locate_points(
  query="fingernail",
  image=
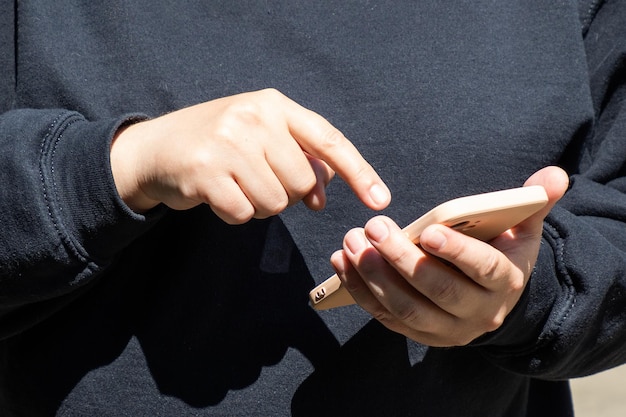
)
(434, 238)
(377, 230)
(338, 262)
(379, 194)
(355, 242)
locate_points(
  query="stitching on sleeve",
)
(51, 127)
(592, 10)
(48, 148)
(568, 289)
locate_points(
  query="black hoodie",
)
(107, 312)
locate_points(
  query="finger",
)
(293, 168)
(322, 140)
(261, 186)
(519, 245)
(394, 246)
(484, 264)
(227, 201)
(441, 284)
(316, 199)
(352, 281)
(386, 294)
(555, 181)
(376, 279)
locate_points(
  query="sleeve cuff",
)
(83, 200)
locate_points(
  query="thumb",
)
(555, 181)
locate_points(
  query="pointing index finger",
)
(322, 140)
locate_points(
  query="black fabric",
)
(106, 312)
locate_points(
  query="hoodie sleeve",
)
(61, 218)
(576, 299)
(62, 221)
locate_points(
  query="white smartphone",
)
(482, 216)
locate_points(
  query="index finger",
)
(319, 138)
(484, 264)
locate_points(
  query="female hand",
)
(411, 291)
(248, 155)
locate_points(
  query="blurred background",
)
(601, 395)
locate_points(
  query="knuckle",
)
(455, 251)
(332, 138)
(189, 192)
(362, 171)
(229, 206)
(409, 314)
(490, 267)
(488, 323)
(269, 203)
(235, 217)
(399, 251)
(303, 185)
(517, 283)
(405, 319)
(447, 292)
(381, 315)
(241, 113)
(399, 257)
(272, 94)
(494, 322)
(199, 164)
(277, 206)
(242, 216)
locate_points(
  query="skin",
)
(247, 156)
(411, 292)
(254, 154)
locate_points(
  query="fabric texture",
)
(107, 312)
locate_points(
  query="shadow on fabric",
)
(206, 318)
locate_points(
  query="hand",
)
(446, 303)
(249, 155)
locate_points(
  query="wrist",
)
(127, 169)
